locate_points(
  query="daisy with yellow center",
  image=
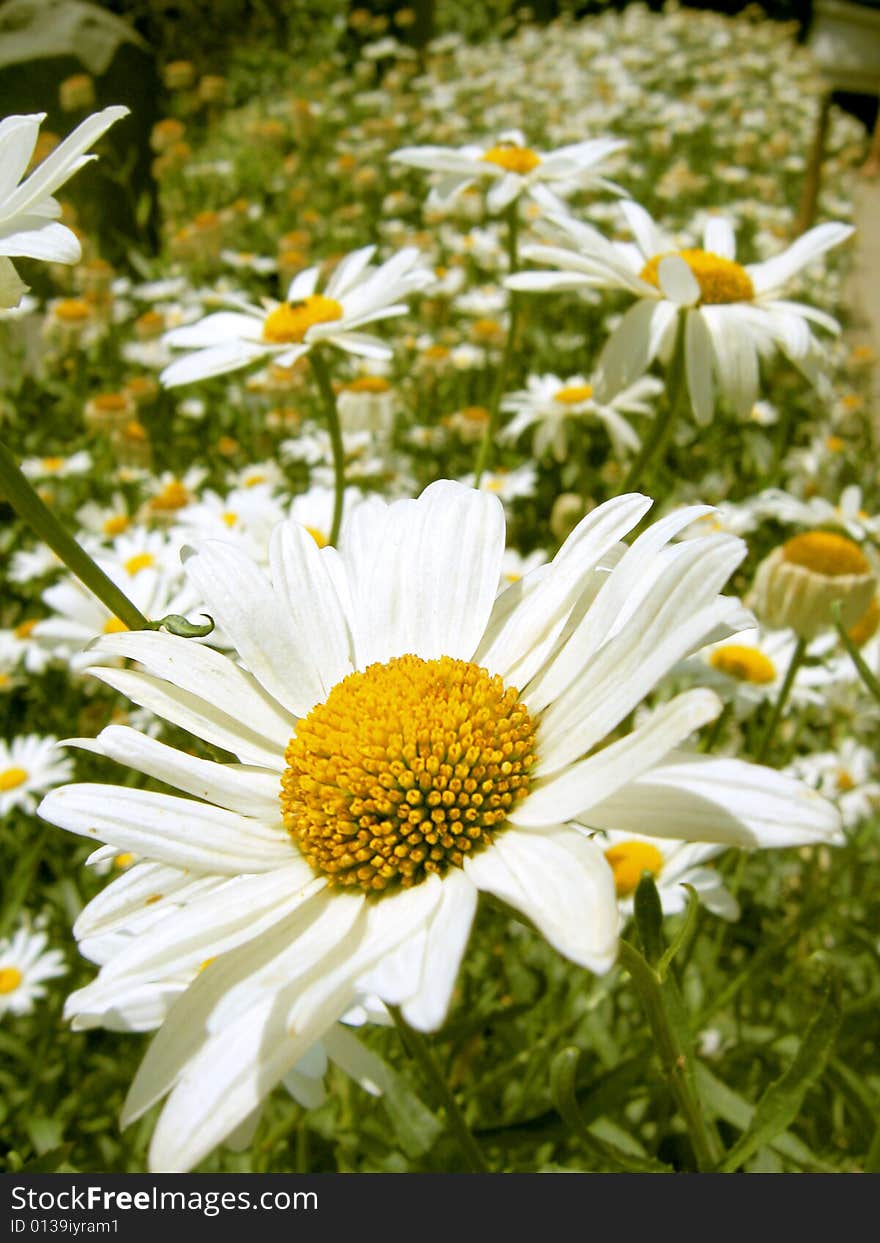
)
(26, 965)
(358, 293)
(405, 738)
(672, 864)
(514, 168)
(731, 312)
(749, 669)
(552, 406)
(29, 766)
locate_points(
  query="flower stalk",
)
(419, 1050)
(331, 411)
(487, 444)
(15, 487)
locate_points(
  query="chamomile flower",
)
(733, 314)
(25, 967)
(29, 215)
(357, 294)
(673, 865)
(405, 739)
(514, 169)
(29, 766)
(551, 405)
(750, 668)
(847, 776)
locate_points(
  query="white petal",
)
(698, 364)
(564, 796)
(424, 573)
(632, 346)
(63, 162)
(718, 237)
(447, 938)
(181, 832)
(218, 329)
(709, 799)
(774, 273)
(559, 880)
(205, 364)
(34, 238)
(677, 281)
(239, 597)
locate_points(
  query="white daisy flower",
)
(357, 294)
(673, 865)
(750, 669)
(846, 776)
(29, 215)
(734, 314)
(29, 766)
(25, 966)
(514, 168)
(549, 404)
(405, 739)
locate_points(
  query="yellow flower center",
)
(52, 463)
(866, 627)
(573, 393)
(173, 496)
(720, 280)
(12, 778)
(368, 384)
(123, 860)
(512, 159)
(25, 629)
(111, 402)
(290, 321)
(115, 525)
(834, 444)
(845, 781)
(405, 769)
(10, 979)
(826, 553)
(230, 518)
(72, 310)
(140, 561)
(629, 860)
(746, 664)
(320, 537)
(114, 626)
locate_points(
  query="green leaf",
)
(684, 934)
(781, 1103)
(649, 918)
(734, 1109)
(414, 1124)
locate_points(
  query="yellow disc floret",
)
(629, 860)
(512, 159)
(825, 552)
(10, 979)
(573, 393)
(720, 279)
(404, 770)
(290, 321)
(746, 664)
(12, 778)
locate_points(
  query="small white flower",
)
(513, 168)
(29, 766)
(356, 294)
(550, 405)
(25, 966)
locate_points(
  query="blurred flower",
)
(29, 766)
(25, 967)
(356, 294)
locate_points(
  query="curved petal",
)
(559, 880)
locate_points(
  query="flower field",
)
(447, 553)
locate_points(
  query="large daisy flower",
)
(358, 293)
(29, 224)
(404, 738)
(513, 168)
(734, 314)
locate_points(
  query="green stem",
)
(419, 1050)
(325, 387)
(707, 744)
(15, 487)
(484, 452)
(662, 424)
(794, 664)
(871, 683)
(664, 1009)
